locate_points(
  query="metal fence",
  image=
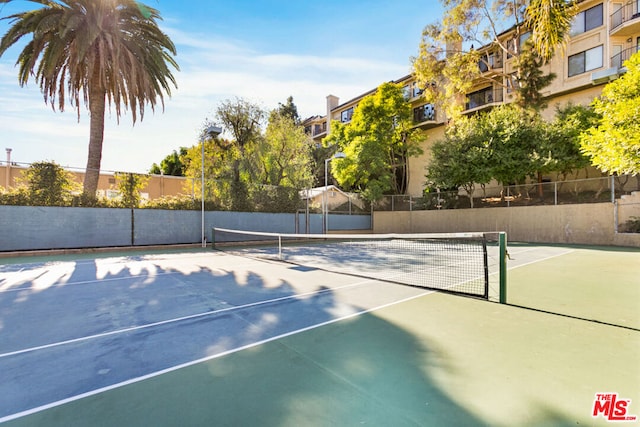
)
(591, 190)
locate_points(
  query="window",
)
(346, 115)
(484, 97)
(424, 113)
(512, 45)
(585, 61)
(490, 61)
(587, 20)
(512, 82)
(406, 92)
(416, 91)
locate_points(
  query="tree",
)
(378, 143)
(562, 140)
(219, 157)
(483, 23)
(289, 110)
(285, 154)
(97, 52)
(531, 81)
(614, 144)
(461, 159)
(129, 185)
(172, 165)
(244, 120)
(48, 184)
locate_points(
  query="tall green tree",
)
(172, 165)
(97, 53)
(48, 184)
(284, 157)
(462, 159)
(469, 23)
(289, 110)
(562, 140)
(219, 157)
(243, 119)
(130, 184)
(614, 144)
(378, 143)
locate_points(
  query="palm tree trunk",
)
(97, 105)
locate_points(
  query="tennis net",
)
(450, 262)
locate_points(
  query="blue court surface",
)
(201, 337)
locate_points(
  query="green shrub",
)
(632, 225)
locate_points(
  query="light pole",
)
(8, 168)
(210, 132)
(325, 207)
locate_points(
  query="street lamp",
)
(325, 207)
(8, 183)
(209, 132)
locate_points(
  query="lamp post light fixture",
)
(210, 132)
(325, 207)
(8, 168)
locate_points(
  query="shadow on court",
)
(69, 328)
(436, 360)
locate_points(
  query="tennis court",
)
(201, 337)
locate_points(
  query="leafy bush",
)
(631, 226)
(15, 197)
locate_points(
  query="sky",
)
(263, 51)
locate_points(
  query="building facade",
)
(604, 34)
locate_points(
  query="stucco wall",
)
(579, 224)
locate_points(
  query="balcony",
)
(484, 97)
(618, 60)
(626, 20)
(316, 130)
(424, 113)
(490, 63)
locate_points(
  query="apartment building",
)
(604, 34)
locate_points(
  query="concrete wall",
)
(24, 228)
(580, 224)
(28, 228)
(157, 186)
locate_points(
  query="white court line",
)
(178, 319)
(540, 260)
(202, 360)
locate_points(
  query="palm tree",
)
(98, 51)
(550, 24)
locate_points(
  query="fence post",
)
(613, 189)
(555, 193)
(502, 240)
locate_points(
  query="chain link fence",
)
(591, 190)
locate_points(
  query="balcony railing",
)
(490, 62)
(626, 13)
(618, 60)
(484, 97)
(318, 129)
(424, 113)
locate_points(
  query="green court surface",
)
(601, 284)
(430, 359)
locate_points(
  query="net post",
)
(280, 247)
(213, 237)
(502, 239)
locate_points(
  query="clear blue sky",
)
(262, 50)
